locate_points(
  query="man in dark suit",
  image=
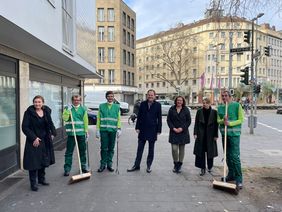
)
(148, 127)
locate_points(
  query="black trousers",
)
(40, 174)
(140, 149)
(200, 161)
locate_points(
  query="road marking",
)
(271, 152)
(268, 126)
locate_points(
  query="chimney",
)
(273, 28)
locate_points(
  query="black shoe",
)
(66, 173)
(43, 183)
(34, 188)
(175, 167)
(203, 172)
(110, 168)
(85, 171)
(179, 165)
(133, 169)
(210, 170)
(101, 169)
(148, 170)
(227, 179)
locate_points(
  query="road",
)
(160, 191)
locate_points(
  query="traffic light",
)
(257, 89)
(247, 36)
(245, 76)
(267, 51)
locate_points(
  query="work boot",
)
(44, 183)
(101, 169)
(148, 170)
(34, 188)
(179, 167)
(175, 167)
(110, 168)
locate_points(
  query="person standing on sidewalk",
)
(39, 129)
(205, 134)
(108, 127)
(148, 127)
(80, 119)
(178, 121)
(233, 121)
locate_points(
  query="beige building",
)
(193, 59)
(115, 49)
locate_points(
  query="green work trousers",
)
(233, 158)
(108, 140)
(69, 152)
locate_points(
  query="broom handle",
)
(76, 143)
(225, 144)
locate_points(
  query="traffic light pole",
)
(252, 81)
(230, 61)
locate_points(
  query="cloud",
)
(158, 15)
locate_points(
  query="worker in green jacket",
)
(233, 121)
(108, 127)
(80, 119)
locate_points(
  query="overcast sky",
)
(157, 15)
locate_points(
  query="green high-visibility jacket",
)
(235, 118)
(80, 120)
(108, 118)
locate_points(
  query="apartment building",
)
(115, 49)
(207, 67)
(46, 48)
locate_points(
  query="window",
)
(111, 33)
(194, 82)
(124, 18)
(101, 55)
(147, 85)
(140, 85)
(194, 50)
(132, 24)
(163, 84)
(128, 21)
(238, 57)
(209, 57)
(211, 35)
(239, 34)
(222, 34)
(102, 73)
(222, 69)
(129, 78)
(128, 58)
(238, 45)
(194, 73)
(222, 46)
(101, 14)
(132, 60)
(152, 85)
(128, 38)
(124, 77)
(111, 55)
(111, 14)
(222, 57)
(124, 57)
(158, 84)
(101, 33)
(124, 36)
(133, 80)
(68, 25)
(111, 76)
(132, 42)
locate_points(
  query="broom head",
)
(80, 177)
(224, 186)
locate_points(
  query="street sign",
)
(243, 49)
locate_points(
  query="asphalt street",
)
(161, 190)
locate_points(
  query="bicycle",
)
(132, 118)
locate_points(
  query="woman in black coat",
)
(178, 120)
(205, 134)
(39, 130)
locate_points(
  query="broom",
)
(117, 171)
(229, 187)
(81, 176)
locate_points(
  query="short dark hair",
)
(184, 102)
(38, 97)
(151, 90)
(75, 96)
(228, 92)
(108, 93)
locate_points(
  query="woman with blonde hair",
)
(205, 134)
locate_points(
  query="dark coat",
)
(149, 121)
(177, 120)
(42, 156)
(211, 133)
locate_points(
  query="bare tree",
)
(175, 53)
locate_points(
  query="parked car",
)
(94, 98)
(92, 116)
(166, 104)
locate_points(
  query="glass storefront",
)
(7, 112)
(53, 98)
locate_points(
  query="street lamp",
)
(252, 118)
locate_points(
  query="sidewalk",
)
(162, 190)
